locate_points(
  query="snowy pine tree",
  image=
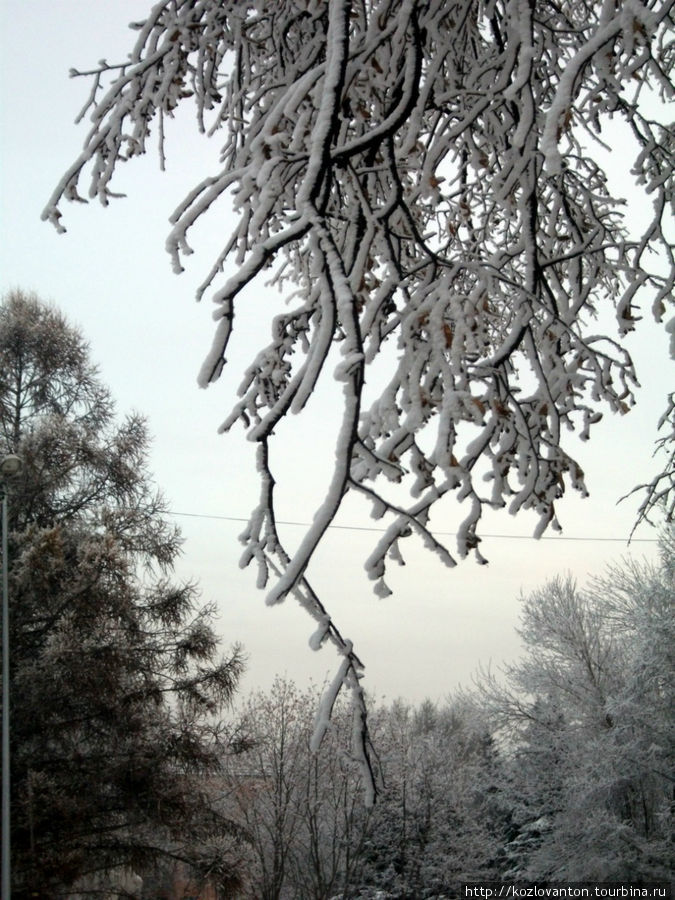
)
(116, 675)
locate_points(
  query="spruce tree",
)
(117, 679)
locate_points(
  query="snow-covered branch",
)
(428, 179)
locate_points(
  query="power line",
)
(372, 528)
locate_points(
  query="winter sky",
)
(111, 277)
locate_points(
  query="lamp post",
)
(10, 466)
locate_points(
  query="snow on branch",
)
(427, 179)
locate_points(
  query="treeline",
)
(559, 769)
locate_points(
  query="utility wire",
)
(512, 537)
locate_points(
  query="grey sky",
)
(111, 277)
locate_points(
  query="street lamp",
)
(10, 466)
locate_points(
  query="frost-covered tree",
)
(590, 729)
(116, 675)
(426, 184)
(437, 822)
(302, 811)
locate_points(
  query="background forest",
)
(558, 770)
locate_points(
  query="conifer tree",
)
(117, 679)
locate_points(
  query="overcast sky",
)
(112, 278)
